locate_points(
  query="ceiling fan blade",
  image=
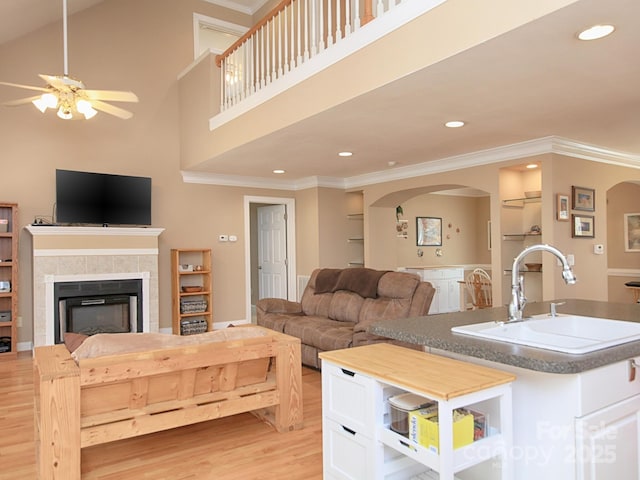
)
(28, 87)
(111, 109)
(63, 83)
(111, 95)
(21, 101)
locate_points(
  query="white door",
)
(272, 251)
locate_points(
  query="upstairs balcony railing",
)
(291, 34)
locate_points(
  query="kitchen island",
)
(574, 416)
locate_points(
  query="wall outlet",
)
(233, 238)
(598, 249)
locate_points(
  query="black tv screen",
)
(104, 199)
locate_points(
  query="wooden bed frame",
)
(114, 397)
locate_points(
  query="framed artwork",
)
(583, 199)
(562, 207)
(429, 231)
(632, 232)
(582, 226)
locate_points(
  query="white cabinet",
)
(608, 432)
(607, 442)
(446, 282)
(358, 443)
(579, 426)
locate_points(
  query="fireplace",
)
(63, 255)
(90, 307)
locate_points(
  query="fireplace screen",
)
(109, 314)
(112, 306)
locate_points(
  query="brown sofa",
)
(338, 305)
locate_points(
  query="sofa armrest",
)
(422, 299)
(278, 305)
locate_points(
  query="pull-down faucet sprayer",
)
(518, 299)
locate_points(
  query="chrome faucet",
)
(518, 299)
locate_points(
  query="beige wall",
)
(591, 269)
(621, 198)
(558, 174)
(143, 50)
(464, 231)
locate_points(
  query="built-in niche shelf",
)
(520, 202)
(356, 238)
(513, 237)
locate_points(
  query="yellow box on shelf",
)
(425, 430)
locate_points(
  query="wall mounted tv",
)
(100, 198)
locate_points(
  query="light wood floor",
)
(232, 448)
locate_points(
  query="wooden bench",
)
(104, 399)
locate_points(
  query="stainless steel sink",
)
(562, 333)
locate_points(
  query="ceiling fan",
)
(69, 95)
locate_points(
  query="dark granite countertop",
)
(434, 331)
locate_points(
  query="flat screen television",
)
(103, 199)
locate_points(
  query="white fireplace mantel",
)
(91, 253)
(36, 230)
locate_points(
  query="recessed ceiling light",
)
(278, 170)
(596, 32)
(532, 165)
(454, 124)
(345, 154)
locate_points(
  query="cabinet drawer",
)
(347, 398)
(607, 385)
(347, 454)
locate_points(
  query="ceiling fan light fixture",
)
(46, 100)
(64, 113)
(84, 107)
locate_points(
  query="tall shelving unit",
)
(192, 296)
(9, 279)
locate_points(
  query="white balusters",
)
(338, 23)
(298, 35)
(347, 17)
(297, 32)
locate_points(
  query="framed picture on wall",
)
(562, 207)
(632, 232)
(582, 226)
(429, 231)
(583, 199)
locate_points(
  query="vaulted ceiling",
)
(535, 81)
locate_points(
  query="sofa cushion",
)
(345, 306)
(326, 280)
(322, 333)
(381, 309)
(275, 321)
(398, 285)
(316, 304)
(363, 281)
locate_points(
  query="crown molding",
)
(539, 146)
(230, 4)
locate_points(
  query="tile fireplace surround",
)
(72, 254)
